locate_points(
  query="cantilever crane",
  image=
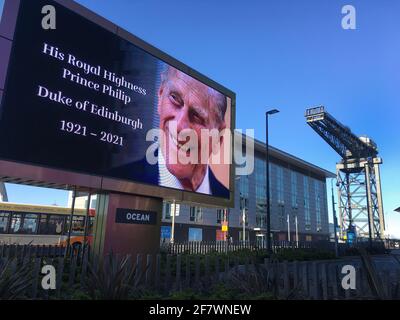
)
(358, 176)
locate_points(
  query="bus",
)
(25, 224)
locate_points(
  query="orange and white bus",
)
(42, 225)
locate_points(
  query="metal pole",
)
(87, 220)
(297, 232)
(225, 223)
(173, 224)
(244, 224)
(379, 197)
(71, 217)
(269, 244)
(349, 208)
(369, 205)
(334, 220)
(288, 226)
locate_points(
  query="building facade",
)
(3, 192)
(298, 204)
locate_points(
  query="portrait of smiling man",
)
(191, 117)
(192, 123)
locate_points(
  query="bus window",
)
(51, 224)
(91, 223)
(59, 223)
(16, 223)
(4, 217)
(30, 223)
(78, 224)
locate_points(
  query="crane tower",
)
(358, 177)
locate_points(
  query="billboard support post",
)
(87, 220)
(71, 217)
(121, 224)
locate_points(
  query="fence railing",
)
(22, 251)
(203, 247)
(175, 272)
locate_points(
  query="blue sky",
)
(289, 55)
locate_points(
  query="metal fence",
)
(175, 272)
(203, 247)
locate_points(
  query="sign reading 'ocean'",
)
(135, 216)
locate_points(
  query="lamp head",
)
(272, 111)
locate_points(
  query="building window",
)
(244, 204)
(307, 216)
(165, 232)
(280, 186)
(220, 215)
(167, 210)
(318, 188)
(196, 214)
(244, 198)
(195, 234)
(241, 235)
(282, 216)
(261, 221)
(244, 186)
(261, 197)
(244, 193)
(293, 182)
(270, 181)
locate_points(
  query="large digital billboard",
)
(84, 99)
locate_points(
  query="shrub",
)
(303, 255)
(111, 278)
(252, 284)
(15, 279)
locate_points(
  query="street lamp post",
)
(269, 243)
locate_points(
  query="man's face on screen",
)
(186, 105)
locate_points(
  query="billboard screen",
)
(84, 99)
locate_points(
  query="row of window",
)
(196, 234)
(280, 195)
(36, 223)
(196, 213)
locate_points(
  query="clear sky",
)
(289, 55)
